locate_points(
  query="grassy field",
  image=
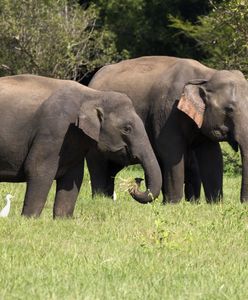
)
(124, 250)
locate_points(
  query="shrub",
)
(222, 34)
(51, 38)
(231, 160)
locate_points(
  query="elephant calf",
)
(48, 126)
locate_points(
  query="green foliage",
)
(124, 250)
(231, 160)
(222, 34)
(141, 27)
(51, 38)
(65, 40)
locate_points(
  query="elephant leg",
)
(113, 169)
(210, 162)
(38, 186)
(102, 174)
(40, 169)
(192, 184)
(172, 169)
(171, 150)
(67, 189)
(98, 169)
(173, 180)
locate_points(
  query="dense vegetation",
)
(51, 38)
(221, 35)
(69, 38)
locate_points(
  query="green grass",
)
(124, 250)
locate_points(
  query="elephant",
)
(49, 125)
(184, 105)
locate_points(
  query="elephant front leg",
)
(173, 180)
(38, 186)
(40, 168)
(102, 174)
(210, 162)
(98, 169)
(192, 181)
(67, 190)
(171, 150)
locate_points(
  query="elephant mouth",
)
(224, 134)
(220, 134)
(128, 156)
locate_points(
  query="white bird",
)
(5, 211)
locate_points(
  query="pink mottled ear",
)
(90, 119)
(192, 104)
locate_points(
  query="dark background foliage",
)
(142, 27)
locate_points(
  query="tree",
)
(222, 35)
(142, 27)
(51, 38)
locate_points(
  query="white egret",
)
(5, 211)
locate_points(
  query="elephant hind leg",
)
(67, 189)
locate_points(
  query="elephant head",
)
(120, 134)
(219, 107)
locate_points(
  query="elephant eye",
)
(202, 94)
(127, 129)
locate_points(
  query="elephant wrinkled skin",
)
(48, 126)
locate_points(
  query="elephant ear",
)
(191, 101)
(90, 119)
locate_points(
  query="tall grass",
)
(124, 250)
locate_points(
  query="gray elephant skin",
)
(184, 105)
(48, 126)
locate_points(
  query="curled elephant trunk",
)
(153, 179)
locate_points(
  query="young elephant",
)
(48, 126)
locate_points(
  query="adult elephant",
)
(184, 105)
(48, 126)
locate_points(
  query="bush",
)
(51, 38)
(222, 34)
(140, 27)
(231, 160)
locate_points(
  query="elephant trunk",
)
(153, 177)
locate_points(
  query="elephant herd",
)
(166, 113)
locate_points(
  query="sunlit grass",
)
(125, 250)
